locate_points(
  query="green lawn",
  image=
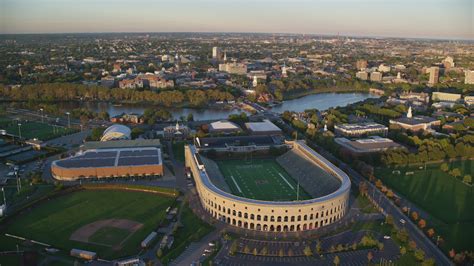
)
(30, 129)
(53, 222)
(446, 198)
(262, 179)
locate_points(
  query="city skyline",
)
(440, 19)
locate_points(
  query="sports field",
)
(109, 222)
(446, 198)
(262, 179)
(31, 129)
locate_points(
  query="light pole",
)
(42, 115)
(19, 130)
(68, 120)
(4, 198)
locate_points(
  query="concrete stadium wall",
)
(266, 215)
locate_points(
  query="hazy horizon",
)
(437, 19)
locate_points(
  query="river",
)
(321, 101)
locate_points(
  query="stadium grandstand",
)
(296, 190)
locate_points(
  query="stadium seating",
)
(215, 174)
(312, 178)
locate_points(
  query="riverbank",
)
(303, 93)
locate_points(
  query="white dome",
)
(115, 132)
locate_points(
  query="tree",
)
(307, 251)
(255, 252)
(246, 249)
(428, 262)
(403, 251)
(389, 219)
(354, 246)
(452, 253)
(281, 253)
(136, 131)
(430, 232)
(380, 246)
(390, 193)
(291, 253)
(370, 256)
(159, 253)
(190, 117)
(402, 235)
(233, 248)
(419, 255)
(264, 251)
(455, 172)
(318, 247)
(414, 216)
(336, 261)
(467, 179)
(412, 244)
(444, 167)
(378, 184)
(422, 223)
(363, 188)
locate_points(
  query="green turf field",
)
(446, 198)
(262, 179)
(53, 222)
(30, 129)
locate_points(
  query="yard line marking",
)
(284, 179)
(236, 183)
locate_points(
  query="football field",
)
(262, 179)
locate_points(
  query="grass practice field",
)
(54, 222)
(31, 129)
(262, 179)
(446, 198)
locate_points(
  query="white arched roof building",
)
(116, 132)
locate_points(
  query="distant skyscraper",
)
(448, 62)
(376, 76)
(362, 75)
(225, 56)
(283, 71)
(469, 77)
(216, 53)
(434, 75)
(361, 64)
(255, 81)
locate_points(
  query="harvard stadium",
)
(264, 183)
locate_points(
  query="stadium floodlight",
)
(19, 130)
(42, 115)
(4, 198)
(68, 120)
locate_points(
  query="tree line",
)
(51, 92)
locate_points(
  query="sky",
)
(445, 19)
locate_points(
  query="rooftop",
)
(222, 142)
(223, 125)
(112, 158)
(360, 126)
(372, 144)
(116, 144)
(263, 126)
(416, 120)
